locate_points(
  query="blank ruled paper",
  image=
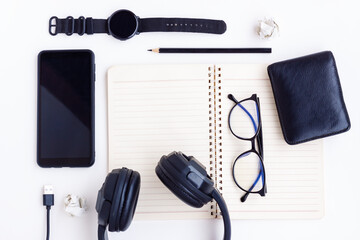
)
(294, 174)
(156, 109)
(152, 111)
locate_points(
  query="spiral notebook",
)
(156, 109)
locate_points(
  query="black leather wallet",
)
(308, 97)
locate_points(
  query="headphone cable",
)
(224, 212)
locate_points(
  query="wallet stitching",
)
(341, 93)
(341, 100)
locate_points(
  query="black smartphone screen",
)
(65, 133)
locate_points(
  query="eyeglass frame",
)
(258, 137)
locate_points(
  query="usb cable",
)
(48, 201)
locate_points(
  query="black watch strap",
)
(181, 25)
(80, 26)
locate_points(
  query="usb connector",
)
(48, 196)
(48, 201)
(48, 189)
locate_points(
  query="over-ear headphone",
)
(116, 201)
(185, 176)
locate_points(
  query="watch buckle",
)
(53, 30)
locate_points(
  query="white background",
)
(306, 26)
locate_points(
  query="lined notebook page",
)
(154, 110)
(294, 174)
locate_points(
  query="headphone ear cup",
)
(105, 196)
(117, 200)
(110, 184)
(131, 195)
(123, 176)
(173, 171)
(180, 191)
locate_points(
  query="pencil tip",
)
(150, 50)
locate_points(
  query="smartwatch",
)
(124, 24)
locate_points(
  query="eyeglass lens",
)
(244, 119)
(248, 172)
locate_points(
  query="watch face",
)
(123, 24)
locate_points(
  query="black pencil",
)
(211, 50)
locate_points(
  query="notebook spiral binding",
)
(218, 131)
(219, 128)
(215, 132)
(211, 132)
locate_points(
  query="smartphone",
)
(65, 108)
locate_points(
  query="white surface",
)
(320, 25)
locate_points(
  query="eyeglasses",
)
(248, 168)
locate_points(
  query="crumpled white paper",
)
(75, 205)
(267, 29)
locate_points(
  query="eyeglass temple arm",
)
(244, 197)
(261, 151)
(250, 116)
